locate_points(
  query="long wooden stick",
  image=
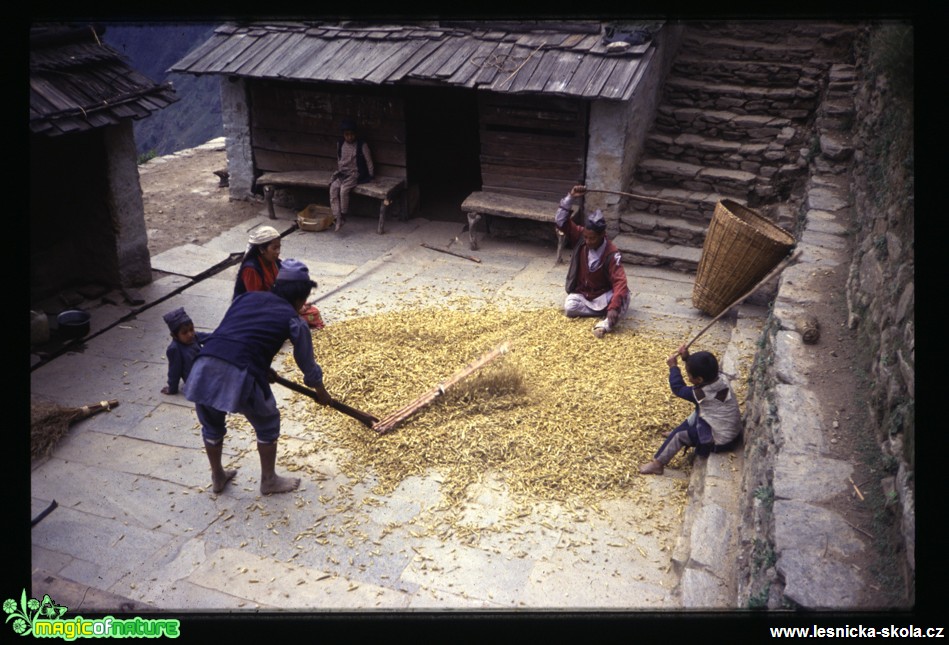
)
(531, 55)
(457, 255)
(363, 417)
(635, 196)
(400, 415)
(775, 271)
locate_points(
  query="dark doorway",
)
(442, 151)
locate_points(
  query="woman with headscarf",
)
(261, 262)
(260, 266)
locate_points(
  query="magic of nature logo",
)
(45, 619)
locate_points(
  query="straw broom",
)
(50, 422)
(390, 422)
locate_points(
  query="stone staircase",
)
(735, 122)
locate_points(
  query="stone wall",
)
(875, 202)
(880, 289)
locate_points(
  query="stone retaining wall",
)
(880, 289)
(781, 488)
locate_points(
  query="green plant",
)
(760, 599)
(890, 464)
(765, 494)
(145, 157)
(763, 554)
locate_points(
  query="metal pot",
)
(73, 323)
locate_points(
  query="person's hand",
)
(684, 352)
(673, 360)
(322, 396)
(578, 191)
(612, 316)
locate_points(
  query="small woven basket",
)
(741, 247)
(315, 218)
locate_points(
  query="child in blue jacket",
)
(714, 425)
(184, 348)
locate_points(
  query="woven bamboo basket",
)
(315, 218)
(741, 247)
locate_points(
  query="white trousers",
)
(576, 305)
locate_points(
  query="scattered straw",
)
(563, 416)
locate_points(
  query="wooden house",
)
(523, 109)
(87, 222)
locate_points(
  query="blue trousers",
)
(213, 427)
(685, 435)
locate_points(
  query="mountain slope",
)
(152, 48)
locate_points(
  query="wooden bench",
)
(499, 205)
(381, 188)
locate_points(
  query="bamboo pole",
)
(457, 255)
(635, 196)
(390, 422)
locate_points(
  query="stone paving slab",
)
(810, 477)
(263, 583)
(818, 583)
(188, 260)
(82, 599)
(803, 526)
(804, 433)
(82, 535)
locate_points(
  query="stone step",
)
(733, 47)
(668, 172)
(697, 149)
(723, 124)
(666, 229)
(643, 251)
(694, 206)
(777, 165)
(794, 103)
(697, 65)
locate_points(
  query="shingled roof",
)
(539, 57)
(78, 83)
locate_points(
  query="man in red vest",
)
(596, 281)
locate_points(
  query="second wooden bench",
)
(500, 205)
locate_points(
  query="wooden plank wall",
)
(295, 126)
(532, 146)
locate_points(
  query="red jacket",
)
(590, 284)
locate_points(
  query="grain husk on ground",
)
(562, 417)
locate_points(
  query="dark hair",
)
(253, 250)
(293, 290)
(702, 364)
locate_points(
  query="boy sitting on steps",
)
(714, 425)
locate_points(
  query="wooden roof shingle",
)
(78, 83)
(568, 59)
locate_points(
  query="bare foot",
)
(218, 483)
(278, 484)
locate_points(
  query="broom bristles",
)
(49, 422)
